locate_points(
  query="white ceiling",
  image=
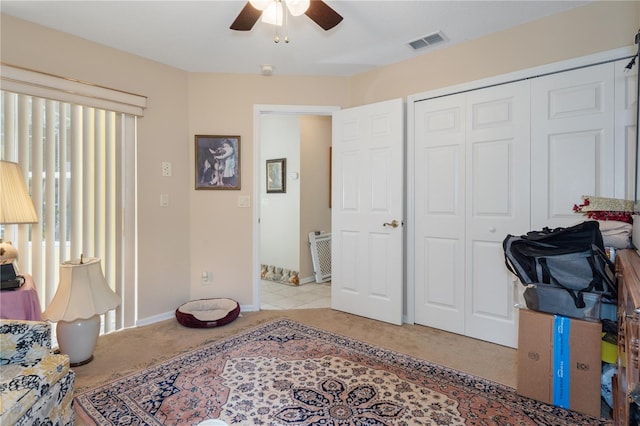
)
(195, 35)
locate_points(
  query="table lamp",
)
(16, 207)
(82, 296)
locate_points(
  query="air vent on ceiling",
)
(427, 40)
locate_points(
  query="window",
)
(79, 163)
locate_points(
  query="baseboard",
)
(248, 308)
(155, 318)
(168, 315)
(307, 280)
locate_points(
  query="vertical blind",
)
(74, 160)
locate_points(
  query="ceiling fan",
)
(319, 12)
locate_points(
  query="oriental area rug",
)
(287, 373)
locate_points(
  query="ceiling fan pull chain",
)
(285, 12)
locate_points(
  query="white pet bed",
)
(204, 313)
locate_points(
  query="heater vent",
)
(320, 244)
(427, 40)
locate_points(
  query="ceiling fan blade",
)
(247, 18)
(323, 15)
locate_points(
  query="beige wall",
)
(219, 104)
(174, 242)
(601, 26)
(315, 214)
(162, 136)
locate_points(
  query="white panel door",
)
(440, 212)
(367, 211)
(572, 150)
(626, 82)
(497, 204)
(472, 189)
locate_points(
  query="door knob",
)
(393, 224)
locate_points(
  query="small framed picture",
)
(217, 162)
(277, 175)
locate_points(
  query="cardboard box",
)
(559, 361)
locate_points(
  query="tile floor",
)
(274, 296)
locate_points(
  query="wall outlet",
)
(166, 168)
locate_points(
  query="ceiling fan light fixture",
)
(260, 4)
(297, 7)
(273, 14)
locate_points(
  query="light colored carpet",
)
(129, 350)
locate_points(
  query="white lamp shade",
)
(82, 292)
(297, 7)
(15, 203)
(273, 14)
(260, 4)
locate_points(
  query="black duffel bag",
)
(572, 259)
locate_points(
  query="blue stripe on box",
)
(561, 370)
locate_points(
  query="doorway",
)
(283, 219)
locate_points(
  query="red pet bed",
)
(205, 313)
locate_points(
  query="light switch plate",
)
(244, 201)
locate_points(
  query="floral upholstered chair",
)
(36, 385)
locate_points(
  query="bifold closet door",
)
(505, 160)
(440, 212)
(472, 188)
(497, 201)
(572, 126)
(626, 113)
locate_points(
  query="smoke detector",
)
(266, 70)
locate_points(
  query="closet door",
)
(508, 159)
(440, 212)
(625, 130)
(472, 189)
(497, 204)
(572, 153)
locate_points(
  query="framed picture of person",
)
(277, 175)
(217, 162)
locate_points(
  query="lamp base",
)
(78, 339)
(78, 364)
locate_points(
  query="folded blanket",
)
(615, 233)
